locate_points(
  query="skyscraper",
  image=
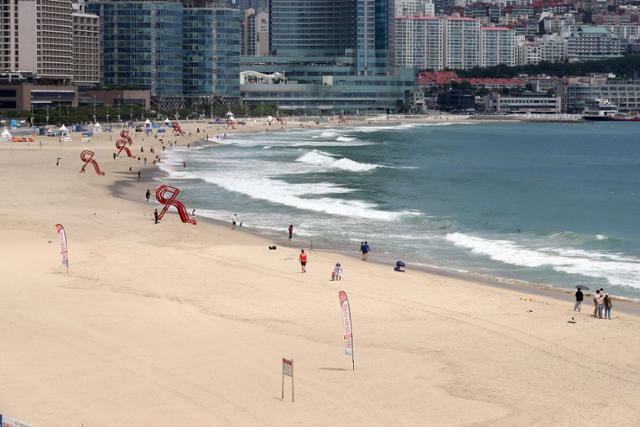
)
(308, 28)
(327, 31)
(141, 44)
(174, 49)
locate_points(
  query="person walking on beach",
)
(303, 260)
(290, 231)
(155, 216)
(365, 251)
(147, 195)
(139, 176)
(579, 298)
(234, 221)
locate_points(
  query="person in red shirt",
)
(303, 261)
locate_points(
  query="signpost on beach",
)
(287, 370)
(348, 330)
(62, 239)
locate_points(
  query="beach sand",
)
(175, 324)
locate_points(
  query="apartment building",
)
(497, 46)
(461, 43)
(419, 42)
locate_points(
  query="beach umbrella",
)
(147, 122)
(582, 287)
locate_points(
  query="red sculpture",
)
(87, 157)
(161, 191)
(121, 143)
(177, 129)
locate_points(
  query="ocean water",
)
(546, 203)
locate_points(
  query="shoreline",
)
(176, 324)
(624, 304)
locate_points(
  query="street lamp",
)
(94, 108)
(107, 119)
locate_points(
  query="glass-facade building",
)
(228, 34)
(312, 28)
(141, 45)
(170, 49)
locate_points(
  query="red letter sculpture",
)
(171, 201)
(87, 157)
(121, 143)
(177, 129)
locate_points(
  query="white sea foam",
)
(617, 270)
(345, 139)
(257, 182)
(327, 160)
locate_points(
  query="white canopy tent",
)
(63, 130)
(6, 135)
(97, 128)
(147, 122)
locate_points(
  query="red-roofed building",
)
(444, 78)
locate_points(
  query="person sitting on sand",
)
(336, 274)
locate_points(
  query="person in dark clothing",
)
(290, 231)
(147, 195)
(579, 298)
(155, 216)
(139, 175)
(365, 251)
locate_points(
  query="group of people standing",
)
(602, 303)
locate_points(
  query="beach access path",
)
(175, 324)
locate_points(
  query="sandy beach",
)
(176, 324)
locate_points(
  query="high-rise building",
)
(37, 36)
(262, 34)
(312, 28)
(249, 32)
(226, 56)
(497, 46)
(419, 42)
(86, 48)
(173, 49)
(461, 43)
(141, 44)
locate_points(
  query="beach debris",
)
(529, 311)
(573, 320)
(526, 299)
(272, 248)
